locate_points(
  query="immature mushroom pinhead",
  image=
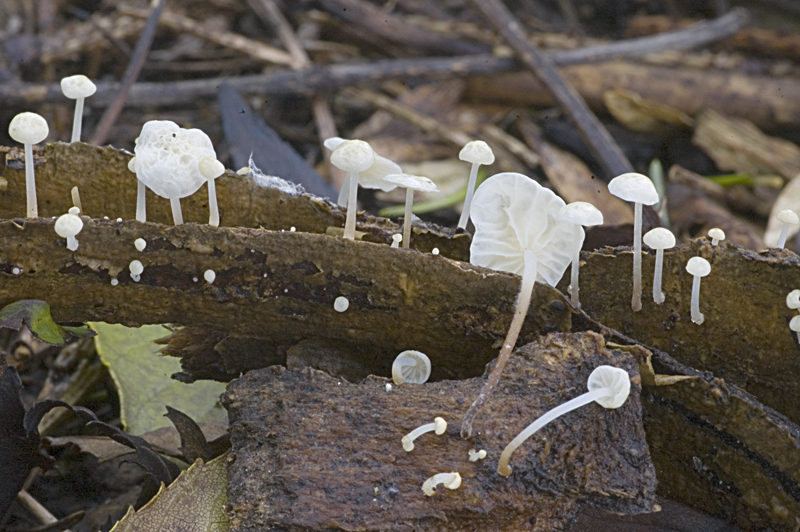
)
(659, 239)
(636, 188)
(578, 213)
(352, 156)
(29, 129)
(699, 268)
(210, 168)
(476, 152)
(410, 183)
(716, 235)
(788, 217)
(77, 88)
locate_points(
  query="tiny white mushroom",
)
(435, 251)
(411, 366)
(136, 268)
(209, 276)
(410, 183)
(16, 271)
(388, 387)
(793, 299)
(29, 129)
(114, 281)
(396, 239)
(68, 226)
(698, 267)
(716, 235)
(476, 152)
(578, 213)
(438, 427)
(608, 386)
(372, 177)
(659, 239)
(352, 156)
(140, 244)
(210, 168)
(788, 217)
(636, 188)
(77, 88)
(474, 455)
(340, 304)
(451, 481)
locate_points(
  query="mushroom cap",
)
(74, 210)
(136, 267)
(412, 367)
(167, 158)
(414, 182)
(353, 156)
(634, 187)
(716, 232)
(77, 86)
(476, 151)
(659, 238)
(793, 299)
(698, 266)
(580, 213)
(513, 213)
(28, 128)
(68, 225)
(794, 324)
(132, 165)
(210, 168)
(610, 377)
(372, 177)
(788, 216)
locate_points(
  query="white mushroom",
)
(352, 156)
(659, 239)
(608, 386)
(210, 168)
(474, 455)
(372, 177)
(793, 299)
(140, 244)
(396, 239)
(438, 427)
(698, 267)
(410, 183)
(136, 268)
(210, 276)
(68, 226)
(578, 213)
(411, 366)
(476, 152)
(29, 129)
(451, 481)
(77, 88)
(341, 304)
(716, 235)
(788, 217)
(638, 189)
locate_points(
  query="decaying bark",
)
(330, 452)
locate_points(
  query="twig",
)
(36, 509)
(131, 73)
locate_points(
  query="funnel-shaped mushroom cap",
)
(659, 238)
(698, 266)
(580, 213)
(168, 157)
(414, 182)
(787, 216)
(78, 86)
(28, 128)
(68, 225)
(373, 176)
(610, 377)
(411, 366)
(478, 152)
(634, 187)
(210, 168)
(353, 156)
(512, 214)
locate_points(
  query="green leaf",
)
(193, 502)
(143, 379)
(35, 314)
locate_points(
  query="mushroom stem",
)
(141, 211)
(352, 204)
(576, 264)
(177, 214)
(523, 302)
(658, 295)
(697, 316)
(636, 300)
(76, 121)
(782, 239)
(473, 176)
(407, 217)
(503, 467)
(72, 243)
(30, 182)
(342, 200)
(213, 210)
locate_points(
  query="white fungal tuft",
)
(270, 181)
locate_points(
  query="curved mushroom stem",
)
(141, 212)
(30, 183)
(781, 241)
(658, 295)
(503, 467)
(72, 243)
(523, 302)
(177, 215)
(408, 217)
(77, 120)
(352, 205)
(636, 300)
(213, 210)
(697, 316)
(576, 264)
(341, 201)
(473, 176)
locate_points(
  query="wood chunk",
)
(328, 453)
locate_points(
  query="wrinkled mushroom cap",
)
(476, 151)
(659, 238)
(353, 156)
(698, 266)
(580, 213)
(68, 225)
(787, 216)
(28, 128)
(634, 187)
(210, 168)
(78, 86)
(793, 299)
(414, 182)
(610, 377)
(716, 232)
(513, 213)
(373, 176)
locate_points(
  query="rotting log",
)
(331, 454)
